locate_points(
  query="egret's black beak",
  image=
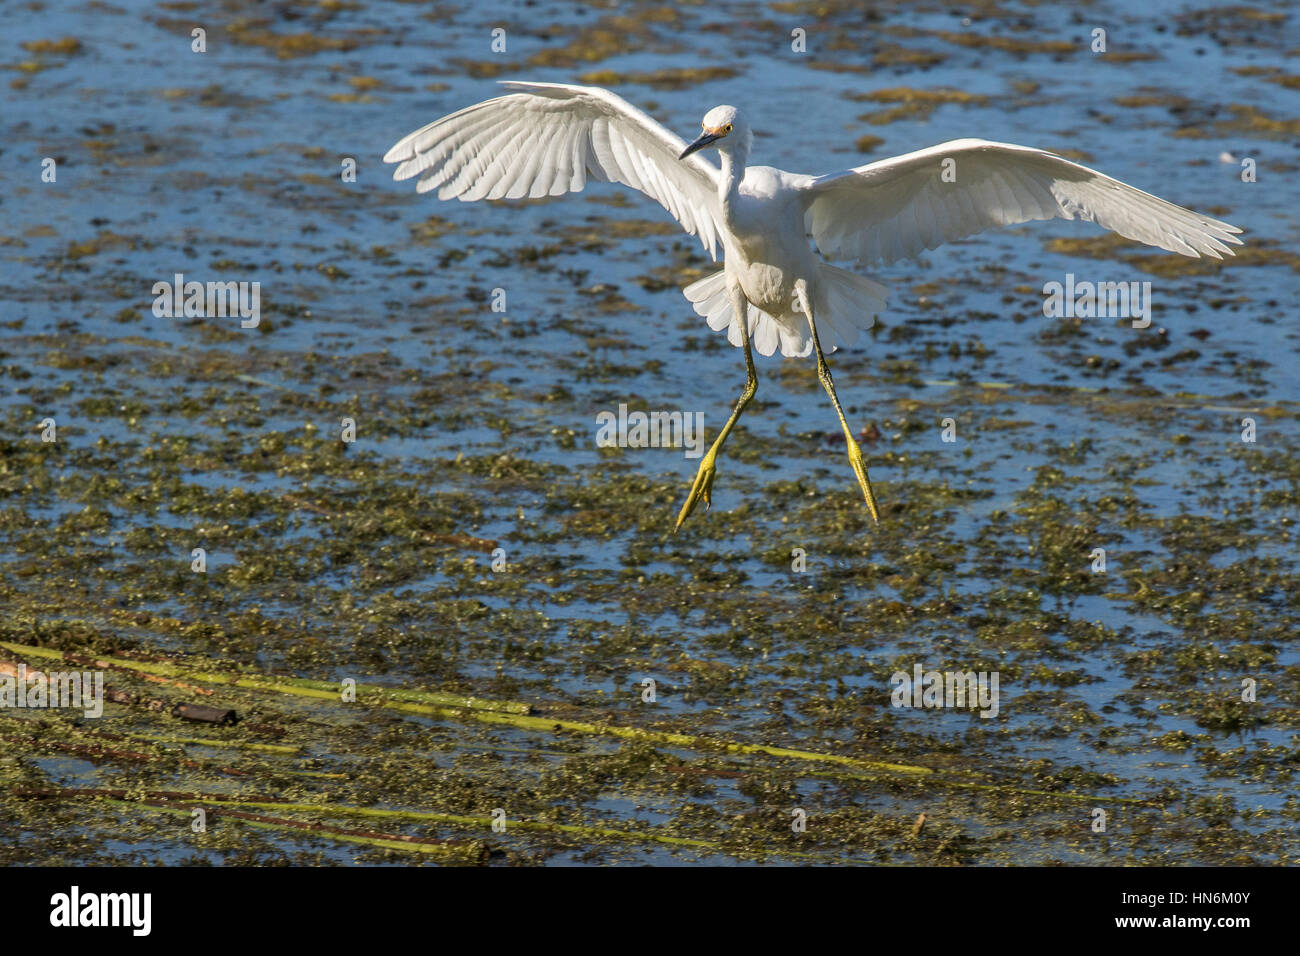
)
(704, 140)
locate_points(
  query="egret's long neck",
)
(733, 173)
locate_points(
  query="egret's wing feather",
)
(898, 208)
(549, 139)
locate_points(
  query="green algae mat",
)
(361, 584)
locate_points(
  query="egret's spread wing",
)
(898, 208)
(549, 139)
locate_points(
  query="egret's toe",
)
(701, 488)
(860, 469)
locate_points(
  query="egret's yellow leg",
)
(824, 374)
(703, 485)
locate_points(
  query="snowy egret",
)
(547, 139)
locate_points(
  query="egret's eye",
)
(727, 128)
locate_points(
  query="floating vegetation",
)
(660, 79)
(913, 103)
(362, 587)
(66, 46)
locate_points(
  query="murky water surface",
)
(1120, 691)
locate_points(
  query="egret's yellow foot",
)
(702, 488)
(824, 374)
(703, 485)
(859, 464)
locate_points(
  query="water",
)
(333, 561)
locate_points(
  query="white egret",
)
(547, 139)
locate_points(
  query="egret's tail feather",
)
(710, 299)
(844, 304)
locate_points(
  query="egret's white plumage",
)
(550, 139)
(546, 139)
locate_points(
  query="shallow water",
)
(477, 430)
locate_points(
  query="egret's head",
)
(723, 127)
